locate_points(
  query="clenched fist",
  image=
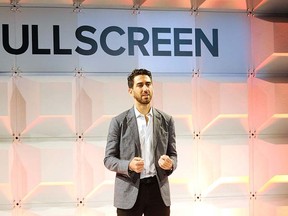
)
(165, 162)
(136, 164)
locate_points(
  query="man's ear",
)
(130, 91)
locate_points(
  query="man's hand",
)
(136, 164)
(165, 162)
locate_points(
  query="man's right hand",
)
(136, 164)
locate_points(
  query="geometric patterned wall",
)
(232, 144)
(232, 136)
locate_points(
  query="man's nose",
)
(145, 88)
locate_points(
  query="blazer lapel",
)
(156, 127)
(132, 123)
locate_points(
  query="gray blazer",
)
(123, 145)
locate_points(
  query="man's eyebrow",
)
(140, 82)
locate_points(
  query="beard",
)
(143, 99)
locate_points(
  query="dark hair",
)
(135, 73)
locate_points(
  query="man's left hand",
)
(165, 162)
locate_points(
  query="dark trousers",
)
(149, 201)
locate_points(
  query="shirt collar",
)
(137, 113)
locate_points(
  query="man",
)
(141, 149)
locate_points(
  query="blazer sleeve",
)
(112, 152)
(171, 150)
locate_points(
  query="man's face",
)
(142, 90)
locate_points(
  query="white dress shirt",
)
(145, 128)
